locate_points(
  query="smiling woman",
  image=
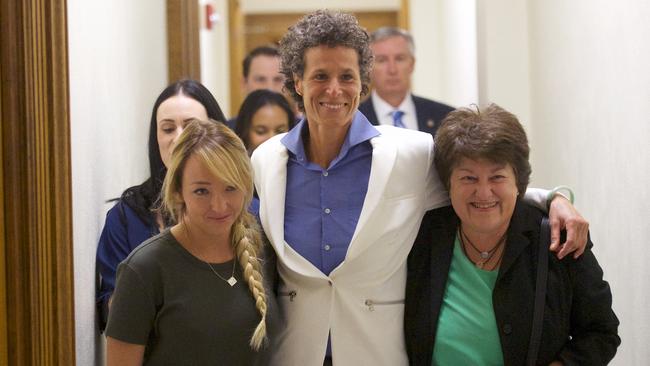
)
(196, 293)
(133, 219)
(330, 87)
(475, 262)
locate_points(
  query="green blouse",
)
(467, 329)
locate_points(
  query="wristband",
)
(559, 190)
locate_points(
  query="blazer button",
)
(507, 328)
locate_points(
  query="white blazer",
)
(361, 302)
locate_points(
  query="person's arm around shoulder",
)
(123, 354)
(562, 215)
(594, 326)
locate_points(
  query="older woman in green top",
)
(473, 268)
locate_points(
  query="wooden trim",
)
(237, 48)
(4, 361)
(183, 44)
(37, 186)
(403, 18)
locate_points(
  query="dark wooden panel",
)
(3, 267)
(36, 180)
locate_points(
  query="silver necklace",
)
(231, 281)
(486, 255)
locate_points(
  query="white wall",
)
(576, 75)
(504, 56)
(304, 6)
(117, 67)
(590, 102)
(446, 66)
(215, 60)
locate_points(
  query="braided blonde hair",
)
(247, 245)
(224, 154)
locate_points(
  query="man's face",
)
(391, 74)
(264, 73)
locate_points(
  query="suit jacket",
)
(429, 113)
(579, 325)
(361, 302)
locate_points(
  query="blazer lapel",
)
(426, 122)
(272, 195)
(368, 110)
(384, 154)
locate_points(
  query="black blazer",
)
(429, 113)
(579, 326)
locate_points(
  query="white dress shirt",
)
(385, 111)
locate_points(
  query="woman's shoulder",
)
(154, 251)
(526, 217)
(140, 199)
(123, 214)
(409, 135)
(439, 218)
(410, 143)
(437, 224)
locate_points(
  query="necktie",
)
(397, 119)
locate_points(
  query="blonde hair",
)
(224, 154)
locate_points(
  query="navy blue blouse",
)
(123, 231)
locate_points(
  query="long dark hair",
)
(142, 198)
(254, 102)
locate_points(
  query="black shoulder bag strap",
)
(540, 291)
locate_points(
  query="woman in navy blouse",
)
(133, 219)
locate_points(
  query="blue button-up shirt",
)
(322, 206)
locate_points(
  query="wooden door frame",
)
(37, 204)
(4, 361)
(183, 43)
(237, 53)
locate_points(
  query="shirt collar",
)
(384, 109)
(361, 130)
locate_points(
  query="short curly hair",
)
(490, 133)
(323, 27)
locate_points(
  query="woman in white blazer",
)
(341, 202)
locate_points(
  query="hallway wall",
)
(576, 75)
(117, 67)
(446, 66)
(590, 102)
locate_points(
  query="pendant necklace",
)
(231, 281)
(486, 255)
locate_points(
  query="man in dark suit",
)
(391, 101)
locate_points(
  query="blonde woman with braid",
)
(196, 293)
